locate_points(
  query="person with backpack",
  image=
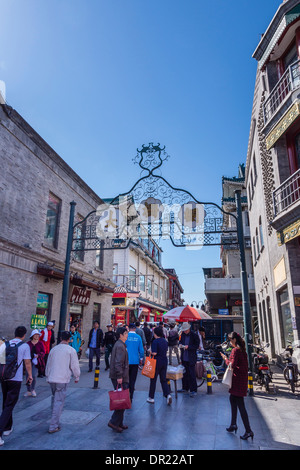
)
(11, 376)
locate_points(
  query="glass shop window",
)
(52, 221)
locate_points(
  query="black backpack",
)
(9, 366)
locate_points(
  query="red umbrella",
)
(186, 314)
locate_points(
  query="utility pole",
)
(66, 281)
(244, 281)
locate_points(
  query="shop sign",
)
(80, 296)
(38, 322)
(289, 233)
(223, 311)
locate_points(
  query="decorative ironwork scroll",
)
(154, 208)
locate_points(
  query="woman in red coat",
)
(239, 364)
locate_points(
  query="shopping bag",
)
(119, 399)
(227, 377)
(149, 367)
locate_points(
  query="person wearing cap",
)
(45, 337)
(135, 350)
(109, 341)
(37, 352)
(189, 343)
(62, 364)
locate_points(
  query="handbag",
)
(227, 378)
(149, 367)
(119, 399)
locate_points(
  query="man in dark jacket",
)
(109, 341)
(119, 375)
(148, 335)
(94, 344)
(189, 343)
(173, 339)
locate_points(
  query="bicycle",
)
(207, 365)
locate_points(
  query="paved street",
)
(188, 424)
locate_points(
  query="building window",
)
(115, 272)
(156, 291)
(52, 220)
(43, 304)
(161, 293)
(257, 243)
(79, 236)
(285, 318)
(97, 313)
(149, 286)
(100, 256)
(261, 236)
(132, 278)
(142, 282)
(254, 249)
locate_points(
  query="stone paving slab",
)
(188, 424)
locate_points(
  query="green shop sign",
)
(38, 322)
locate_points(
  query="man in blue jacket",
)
(135, 350)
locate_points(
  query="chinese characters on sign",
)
(80, 296)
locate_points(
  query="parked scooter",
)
(291, 356)
(262, 372)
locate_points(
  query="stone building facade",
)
(36, 188)
(223, 288)
(273, 178)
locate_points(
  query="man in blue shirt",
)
(94, 344)
(135, 350)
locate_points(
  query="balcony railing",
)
(287, 193)
(289, 81)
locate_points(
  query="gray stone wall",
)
(30, 169)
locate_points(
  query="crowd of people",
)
(125, 348)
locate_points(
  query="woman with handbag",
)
(238, 362)
(159, 349)
(119, 375)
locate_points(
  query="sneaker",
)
(1, 441)
(27, 394)
(7, 433)
(150, 400)
(33, 393)
(51, 431)
(169, 400)
(193, 394)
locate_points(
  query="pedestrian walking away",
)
(189, 343)
(148, 336)
(94, 344)
(37, 352)
(135, 350)
(159, 350)
(46, 337)
(62, 364)
(11, 387)
(239, 365)
(109, 341)
(119, 375)
(173, 341)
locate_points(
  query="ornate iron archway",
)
(154, 208)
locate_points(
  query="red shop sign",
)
(80, 296)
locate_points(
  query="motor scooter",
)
(291, 356)
(262, 372)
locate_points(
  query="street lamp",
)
(198, 304)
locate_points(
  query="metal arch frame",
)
(147, 167)
(152, 149)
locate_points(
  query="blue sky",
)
(97, 79)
